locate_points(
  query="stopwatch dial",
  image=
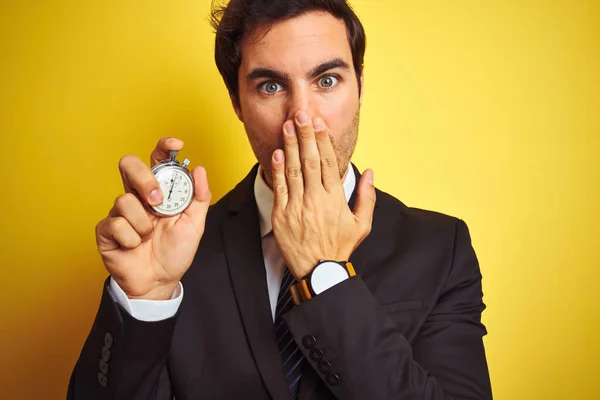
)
(177, 188)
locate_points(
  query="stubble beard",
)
(343, 147)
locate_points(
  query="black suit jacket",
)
(408, 326)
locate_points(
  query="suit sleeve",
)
(360, 354)
(123, 358)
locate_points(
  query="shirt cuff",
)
(147, 310)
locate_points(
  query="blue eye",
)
(328, 81)
(271, 87)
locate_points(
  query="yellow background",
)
(484, 110)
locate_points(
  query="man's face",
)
(304, 63)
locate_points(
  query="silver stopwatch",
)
(176, 183)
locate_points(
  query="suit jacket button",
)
(104, 367)
(105, 353)
(316, 354)
(108, 340)
(102, 379)
(324, 367)
(309, 341)
(333, 379)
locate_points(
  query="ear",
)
(236, 107)
(362, 86)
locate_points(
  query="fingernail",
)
(278, 156)
(155, 196)
(289, 128)
(371, 177)
(318, 124)
(302, 117)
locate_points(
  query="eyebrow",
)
(258, 73)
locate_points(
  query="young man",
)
(304, 281)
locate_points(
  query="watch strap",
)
(301, 292)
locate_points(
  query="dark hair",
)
(241, 17)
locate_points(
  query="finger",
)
(198, 208)
(365, 200)
(161, 151)
(138, 178)
(129, 207)
(330, 173)
(280, 184)
(113, 233)
(309, 152)
(293, 168)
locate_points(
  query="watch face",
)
(178, 190)
(326, 275)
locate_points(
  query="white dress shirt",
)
(156, 310)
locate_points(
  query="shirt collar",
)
(264, 197)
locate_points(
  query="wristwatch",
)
(326, 274)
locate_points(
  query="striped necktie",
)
(291, 356)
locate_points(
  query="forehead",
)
(297, 44)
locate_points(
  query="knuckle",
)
(276, 218)
(329, 162)
(305, 134)
(117, 224)
(312, 164)
(281, 190)
(124, 200)
(310, 202)
(293, 172)
(99, 227)
(130, 241)
(125, 160)
(364, 228)
(119, 202)
(147, 228)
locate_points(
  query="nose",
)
(301, 98)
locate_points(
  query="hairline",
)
(267, 28)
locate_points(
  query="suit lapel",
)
(360, 257)
(243, 249)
